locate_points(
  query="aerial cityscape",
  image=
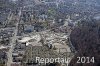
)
(49, 32)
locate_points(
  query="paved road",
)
(12, 43)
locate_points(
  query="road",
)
(13, 42)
